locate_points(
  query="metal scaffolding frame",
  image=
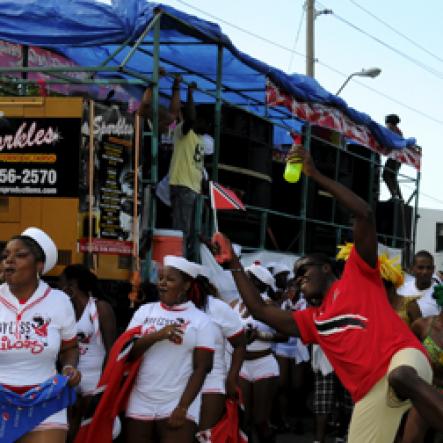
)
(123, 75)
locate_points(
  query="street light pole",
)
(371, 72)
(310, 17)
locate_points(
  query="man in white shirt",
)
(422, 286)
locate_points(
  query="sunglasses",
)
(301, 271)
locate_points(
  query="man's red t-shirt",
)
(356, 327)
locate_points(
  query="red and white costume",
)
(167, 366)
(92, 350)
(31, 335)
(227, 325)
(262, 367)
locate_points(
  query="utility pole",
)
(310, 18)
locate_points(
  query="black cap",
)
(393, 119)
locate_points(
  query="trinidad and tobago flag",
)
(222, 198)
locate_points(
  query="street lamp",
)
(371, 72)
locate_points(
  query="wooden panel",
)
(30, 212)
(8, 230)
(59, 220)
(64, 107)
(10, 209)
(42, 106)
(108, 268)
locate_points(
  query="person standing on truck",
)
(380, 362)
(186, 170)
(392, 167)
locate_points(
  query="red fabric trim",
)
(332, 118)
(48, 290)
(236, 334)
(171, 308)
(19, 389)
(203, 348)
(9, 305)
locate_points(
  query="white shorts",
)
(88, 382)
(214, 384)
(260, 368)
(141, 407)
(59, 420)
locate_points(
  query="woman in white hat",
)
(177, 350)
(38, 324)
(222, 381)
(259, 373)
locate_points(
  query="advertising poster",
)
(39, 157)
(113, 190)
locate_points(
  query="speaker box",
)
(245, 157)
(389, 218)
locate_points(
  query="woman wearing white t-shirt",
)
(177, 350)
(96, 332)
(32, 312)
(259, 373)
(222, 381)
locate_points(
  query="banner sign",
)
(39, 157)
(103, 246)
(113, 189)
(332, 118)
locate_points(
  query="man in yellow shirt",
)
(186, 170)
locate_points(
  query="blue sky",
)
(339, 47)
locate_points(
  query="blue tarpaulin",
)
(88, 31)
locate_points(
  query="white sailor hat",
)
(263, 275)
(180, 263)
(205, 271)
(277, 268)
(46, 243)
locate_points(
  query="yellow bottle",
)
(292, 172)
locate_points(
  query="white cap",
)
(46, 243)
(262, 274)
(277, 268)
(208, 144)
(205, 271)
(180, 263)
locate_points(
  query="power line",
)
(413, 42)
(416, 62)
(382, 94)
(297, 37)
(252, 34)
(293, 51)
(424, 194)
(259, 37)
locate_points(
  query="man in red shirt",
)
(377, 358)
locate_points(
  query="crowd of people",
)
(372, 333)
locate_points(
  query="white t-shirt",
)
(92, 350)
(427, 304)
(31, 334)
(166, 366)
(227, 325)
(250, 322)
